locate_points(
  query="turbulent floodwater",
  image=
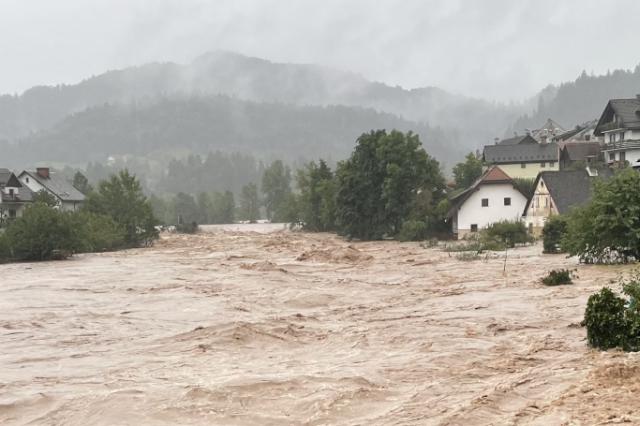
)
(259, 326)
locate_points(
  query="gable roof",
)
(57, 185)
(493, 175)
(549, 129)
(7, 178)
(517, 140)
(521, 153)
(568, 188)
(577, 151)
(627, 112)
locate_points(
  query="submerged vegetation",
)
(613, 321)
(558, 277)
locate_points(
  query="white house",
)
(492, 198)
(67, 196)
(620, 126)
(13, 196)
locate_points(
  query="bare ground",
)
(248, 328)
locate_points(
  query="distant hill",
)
(475, 121)
(581, 100)
(177, 126)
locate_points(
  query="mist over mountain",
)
(475, 121)
(178, 126)
(234, 103)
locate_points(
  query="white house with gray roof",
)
(619, 124)
(14, 196)
(67, 196)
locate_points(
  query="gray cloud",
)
(497, 49)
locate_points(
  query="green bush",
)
(554, 230)
(611, 320)
(99, 232)
(43, 233)
(607, 229)
(605, 320)
(558, 277)
(413, 230)
(506, 233)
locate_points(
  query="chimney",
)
(43, 172)
(496, 140)
(638, 96)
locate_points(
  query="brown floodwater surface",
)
(259, 326)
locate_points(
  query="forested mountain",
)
(581, 100)
(179, 126)
(476, 121)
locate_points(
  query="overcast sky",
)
(496, 49)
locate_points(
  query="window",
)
(474, 227)
(612, 156)
(12, 214)
(621, 138)
(543, 164)
(612, 137)
(27, 180)
(546, 201)
(11, 192)
(623, 156)
(552, 163)
(485, 202)
(507, 201)
(541, 184)
(523, 165)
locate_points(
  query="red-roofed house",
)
(492, 198)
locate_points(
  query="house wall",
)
(632, 155)
(614, 135)
(530, 171)
(540, 208)
(472, 212)
(35, 187)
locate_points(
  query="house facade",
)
(523, 156)
(557, 193)
(492, 198)
(580, 154)
(14, 197)
(66, 195)
(619, 125)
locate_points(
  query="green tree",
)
(99, 232)
(249, 205)
(45, 197)
(81, 183)
(43, 233)
(608, 228)
(316, 203)
(468, 171)
(377, 186)
(276, 187)
(223, 207)
(185, 208)
(121, 198)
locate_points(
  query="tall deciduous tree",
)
(249, 206)
(81, 183)
(317, 197)
(276, 187)
(466, 172)
(121, 198)
(377, 187)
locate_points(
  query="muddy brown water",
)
(259, 326)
